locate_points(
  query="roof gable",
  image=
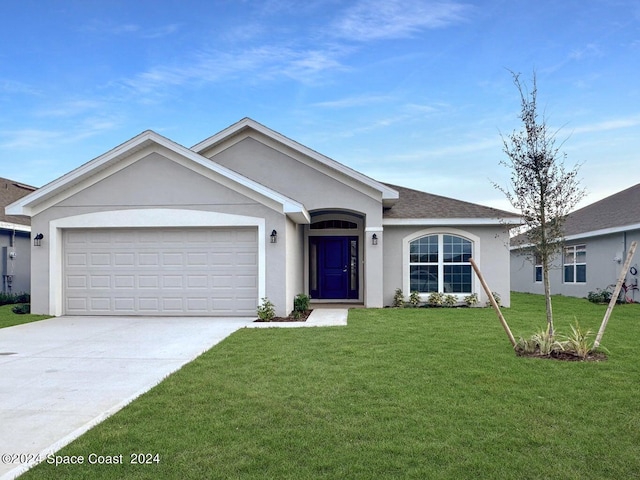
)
(94, 170)
(249, 127)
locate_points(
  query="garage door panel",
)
(161, 271)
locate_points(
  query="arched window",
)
(440, 263)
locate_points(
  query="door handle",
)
(344, 270)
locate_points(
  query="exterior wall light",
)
(37, 240)
(374, 239)
(274, 236)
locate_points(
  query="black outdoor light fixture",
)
(374, 239)
(37, 240)
(274, 236)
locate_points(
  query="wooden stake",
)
(616, 292)
(494, 304)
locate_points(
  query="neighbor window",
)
(440, 263)
(575, 264)
(538, 269)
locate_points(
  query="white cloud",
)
(70, 108)
(387, 19)
(263, 63)
(30, 138)
(355, 101)
(607, 125)
(13, 87)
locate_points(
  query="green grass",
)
(411, 393)
(10, 319)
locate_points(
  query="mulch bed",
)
(302, 318)
(567, 356)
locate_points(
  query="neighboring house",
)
(154, 228)
(15, 243)
(597, 238)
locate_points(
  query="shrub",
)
(578, 341)
(496, 297)
(471, 300)
(540, 343)
(22, 309)
(266, 310)
(301, 303)
(436, 299)
(398, 298)
(450, 301)
(414, 298)
(599, 296)
(12, 298)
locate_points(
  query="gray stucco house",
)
(154, 228)
(597, 238)
(15, 243)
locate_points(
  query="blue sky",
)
(411, 92)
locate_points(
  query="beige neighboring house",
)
(15, 231)
(154, 228)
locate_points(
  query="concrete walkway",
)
(61, 377)
(320, 317)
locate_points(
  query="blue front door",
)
(333, 267)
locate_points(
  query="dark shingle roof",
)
(618, 210)
(417, 204)
(11, 191)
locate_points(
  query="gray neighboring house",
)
(15, 243)
(597, 238)
(155, 228)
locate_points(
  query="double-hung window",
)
(575, 264)
(538, 269)
(440, 263)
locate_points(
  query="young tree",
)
(541, 188)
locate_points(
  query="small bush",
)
(301, 303)
(599, 296)
(436, 299)
(414, 298)
(22, 309)
(578, 341)
(540, 343)
(266, 310)
(471, 300)
(12, 298)
(496, 297)
(398, 298)
(449, 301)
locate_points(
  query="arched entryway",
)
(335, 256)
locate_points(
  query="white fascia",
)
(452, 221)
(98, 168)
(593, 233)
(15, 226)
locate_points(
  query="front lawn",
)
(10, 319)
(413, 393)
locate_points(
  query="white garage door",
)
(154, 271)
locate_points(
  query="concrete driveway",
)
(62, 376)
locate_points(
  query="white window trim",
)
(537, 265)
(574, 264)
(406, 241)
